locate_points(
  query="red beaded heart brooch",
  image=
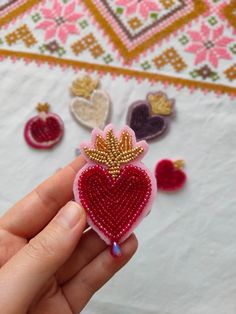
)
(114, 187)
(169, 175)
(44, 130)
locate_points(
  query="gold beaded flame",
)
(160, 104)
(83, 87)
(114, 152)
(179, 164)
(42, 107)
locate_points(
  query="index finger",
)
(30, 215)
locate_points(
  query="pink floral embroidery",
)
(60, 20)
(209, 44)
(142, 6)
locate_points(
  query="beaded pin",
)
(114, 187)
(150, 118)
(90, 105)
(169, 175)
(44, 130)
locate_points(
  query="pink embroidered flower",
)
(142, 6)
(209, 45)
(60, 20)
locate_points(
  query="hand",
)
(48, 263)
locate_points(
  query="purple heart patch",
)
(143, 120)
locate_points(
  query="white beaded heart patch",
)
(91, 106)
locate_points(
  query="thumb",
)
(28, 271)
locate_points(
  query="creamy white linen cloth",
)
(186, 261)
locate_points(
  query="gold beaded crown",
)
(160, 104)
(113, 152)
(42, 107)
(84, 86)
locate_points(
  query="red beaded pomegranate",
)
(114, 187)
(44, 130)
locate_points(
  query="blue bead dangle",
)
(115, 249)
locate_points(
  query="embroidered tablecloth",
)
(186, 48)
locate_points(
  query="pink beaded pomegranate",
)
(44, 130)
(114, 187)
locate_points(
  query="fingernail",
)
(70, 215)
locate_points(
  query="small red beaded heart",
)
(114, 187)
(44, 130)
(169, 175)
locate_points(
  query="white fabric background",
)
(186, 262)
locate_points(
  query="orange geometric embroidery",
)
(17, 11)
(96, 51)
(231, 72)
(90, 43)
(170, 56)
(135, 23)
(89, 40)
(132, 49)
(229, 11)
(167, 3)
(21, 33)
(113, 70)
